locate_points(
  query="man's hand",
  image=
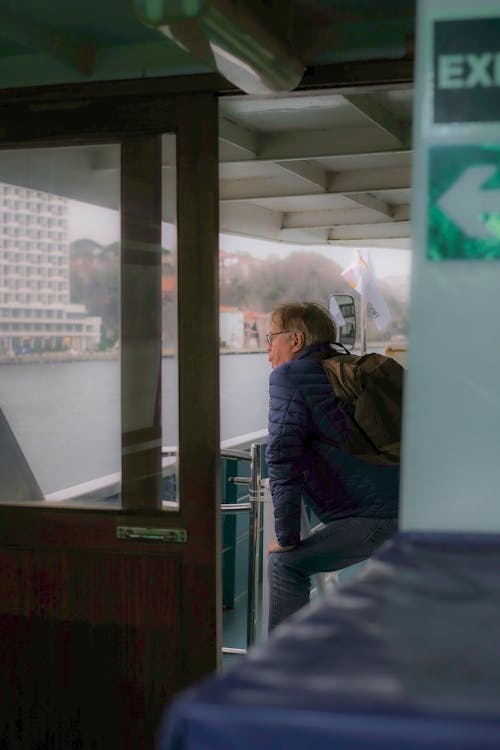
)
(276, 547)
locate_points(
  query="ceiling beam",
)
(304, 236)
(397, 243)
(371, 107)
(260, 188)
(374, 204)
(320, 181)
(307, 170)
(363, 180)
(317, 144)
(337, 183)
(251, 221)
(263, 224)
(366, 232)
(351, 76)
(338, 217)
(242, 138)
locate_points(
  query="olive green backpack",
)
(370, 390)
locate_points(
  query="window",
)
(64, 415)
(169, 302)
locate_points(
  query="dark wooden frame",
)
(65, 543)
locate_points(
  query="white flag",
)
(359, 275)
(335, 312)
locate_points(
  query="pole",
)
(363, 325)
(254, 544)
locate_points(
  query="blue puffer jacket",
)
(304, 422)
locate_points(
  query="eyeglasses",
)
(269, 336)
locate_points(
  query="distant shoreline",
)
(51, 357)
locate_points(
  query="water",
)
(244, 393)
(66, 416)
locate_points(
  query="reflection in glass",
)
(59, 323)
(169, 299)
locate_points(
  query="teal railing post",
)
(254, 543)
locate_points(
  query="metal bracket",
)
(139, 533)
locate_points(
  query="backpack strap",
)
(338, 343)
(320, 356)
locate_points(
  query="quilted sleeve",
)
(285, 453)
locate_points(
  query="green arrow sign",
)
(468, 203)
(464, 203)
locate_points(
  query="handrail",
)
(254, 543)
(254, 507)
(233, 453)
(235, 507)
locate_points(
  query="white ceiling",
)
(311, 166)
(323, 167)
(306, 168)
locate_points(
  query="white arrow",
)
(465, 203)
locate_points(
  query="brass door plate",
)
(143, 534)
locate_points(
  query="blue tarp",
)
(405, 656)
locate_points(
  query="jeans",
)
(339, 544)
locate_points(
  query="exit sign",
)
(467, 70)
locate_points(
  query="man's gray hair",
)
(312, 318)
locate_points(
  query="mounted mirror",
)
(343, 312)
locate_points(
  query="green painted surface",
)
(464, 203)
(156, 12)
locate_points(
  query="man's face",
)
(281, 349)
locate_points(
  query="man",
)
(357, 501)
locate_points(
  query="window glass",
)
(60, 361)
(169, 299)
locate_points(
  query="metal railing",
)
(253, 507)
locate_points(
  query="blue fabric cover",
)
(305, 425)
(406, 656)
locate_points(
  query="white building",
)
(35, 309)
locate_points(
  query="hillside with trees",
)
(260, 285)
(246, 283)
(95, 283)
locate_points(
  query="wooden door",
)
(106, 612)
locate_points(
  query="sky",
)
(103, 226)
(386, 261)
